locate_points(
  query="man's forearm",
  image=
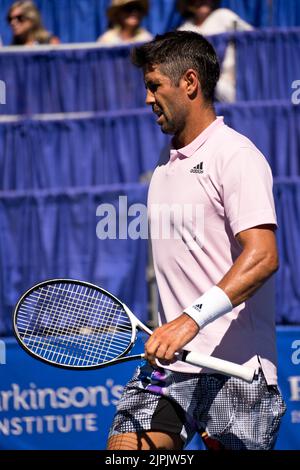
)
(257, 262)
(248, 273)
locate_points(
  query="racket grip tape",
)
(219, 366)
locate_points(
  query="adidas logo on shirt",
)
(198, 307)
(198, 168)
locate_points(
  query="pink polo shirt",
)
(200, 198)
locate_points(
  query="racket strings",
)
(74, 325)
(56, 316)
(78, 340)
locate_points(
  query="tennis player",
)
(215, 282)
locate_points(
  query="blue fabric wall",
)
(256, 12)
(120, 147)
(267, 64)
(287, 199)
(50, 234)
(103, 79)
(107, 149)
(70, 80)
(85, 20)
(286, 13)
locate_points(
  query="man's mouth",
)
(159, 114)
(160, 119)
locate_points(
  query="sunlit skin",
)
(147, 440)
(181, 110)
(130, 22)
(200, 11)
(19, 28)
(200, 14)
(24, 29)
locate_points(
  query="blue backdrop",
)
(110, 148)
(47, 408)
(48, 234)
(103, 79)
(119, 147)
(287, 197)
(85, 20)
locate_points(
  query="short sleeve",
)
(247, 189)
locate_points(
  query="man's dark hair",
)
(178, 51)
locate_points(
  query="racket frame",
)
(135, 323)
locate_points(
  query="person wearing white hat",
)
(125, 18)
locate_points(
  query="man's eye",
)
(153, 87)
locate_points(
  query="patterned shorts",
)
(238, 415)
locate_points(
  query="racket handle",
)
(218, 365)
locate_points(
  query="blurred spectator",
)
(206, 18)
(25, 21)
(125, 18)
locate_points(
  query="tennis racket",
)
(77, 325)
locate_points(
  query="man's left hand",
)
(170, 338)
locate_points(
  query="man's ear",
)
(191, 82)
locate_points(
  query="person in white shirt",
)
(204, 17)
(125, 18)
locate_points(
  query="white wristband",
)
(210, 306)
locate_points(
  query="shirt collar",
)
(191, 148)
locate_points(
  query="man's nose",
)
(150, 98)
